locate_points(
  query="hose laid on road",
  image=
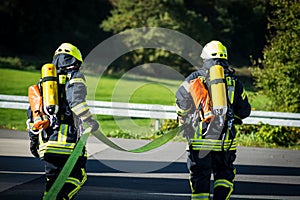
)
(69, 165)
(149, 146)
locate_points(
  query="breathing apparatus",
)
(50, 92)
(218, 90)
(43, 99)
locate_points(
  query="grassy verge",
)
(13, 119)
(16, 82)
(132, 89)
(252, 140)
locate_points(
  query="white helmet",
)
(214, 49)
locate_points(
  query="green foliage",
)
(121, 134)
(279, 135)
(268, 136)
(166, 14)
(169, 124)
(279, 77)
(239, 24)
(15, 63)
(172, 15)
(36, 29)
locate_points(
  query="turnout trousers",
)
(201, 164)
(54, 165)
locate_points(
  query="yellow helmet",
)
(214, 49)
(67, 48)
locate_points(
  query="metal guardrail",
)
(155, 111)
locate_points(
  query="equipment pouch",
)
(35, 99)
(40, 120)
(201, 98)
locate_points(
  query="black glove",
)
(188, 131)
(237, 121)
(186, 126)
(92, 123)
(34, 145)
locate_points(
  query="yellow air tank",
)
(218, 90)
(49, 89)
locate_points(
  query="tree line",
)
(263, 34)
(34, 28)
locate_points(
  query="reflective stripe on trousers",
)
(202, 196)
(77, 183)
(226, 184)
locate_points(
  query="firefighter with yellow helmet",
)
(209, 102)
(57, 112)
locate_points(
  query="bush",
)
(169, 124)
(279, 77)
(279, 135)
(121, 134)
(267, 135)
(15, 63)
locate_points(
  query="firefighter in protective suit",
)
(59, 133)
(209, 129)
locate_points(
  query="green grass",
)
(131, 89)
(16, 82)
(13, 119)
(134, 90)
(258, 100)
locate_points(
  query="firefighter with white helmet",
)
(54, 136)
(209, 102)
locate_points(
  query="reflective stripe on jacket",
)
(58, 146)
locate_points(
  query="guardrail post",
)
(156, 124)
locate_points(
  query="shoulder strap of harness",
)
(230, 84)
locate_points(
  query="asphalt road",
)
(157, 175)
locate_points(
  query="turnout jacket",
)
(61, 138)
(238, 105)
